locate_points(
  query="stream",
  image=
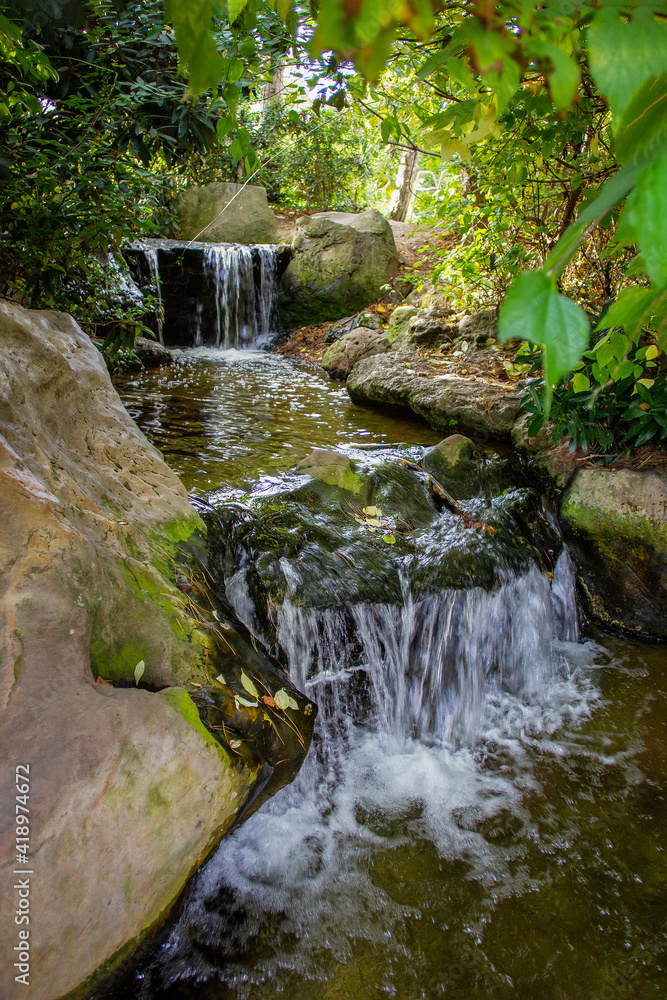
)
(482, 813)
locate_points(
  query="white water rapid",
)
(426, 713)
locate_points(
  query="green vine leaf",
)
(235, 8)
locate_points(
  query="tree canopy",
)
(543, 126)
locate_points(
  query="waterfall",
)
(428, 710)
(154, 271)
(424, 669)
(209, 295)
(243, 305)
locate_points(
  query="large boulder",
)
(616, 524)
(101, 558)
(446, 401)
(339, 264)
(225, 213)
(361, 343)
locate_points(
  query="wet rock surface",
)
(361, 343)
(318, 544)
(616, 524)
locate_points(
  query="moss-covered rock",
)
(318, 544)
(339, 265)
(616, 522)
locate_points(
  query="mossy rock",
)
(339, 265)
(616, 523)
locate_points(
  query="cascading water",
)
(244, 307)
(156, 288)
(482, 813)
(213, 295)
(430, 664)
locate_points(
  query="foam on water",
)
(429, 722)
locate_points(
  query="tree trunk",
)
(272, 91)
(399, 205)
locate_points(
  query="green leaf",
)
(235, 70)
(504, 84)
(624, 54)
(647, 214)
(564, 78)
(248, 685)
(645, 117)
(534, 311)
(580, 383)
(283, 8)
(389, 539)
(459, 71)
(196, 49)
(282, 699)
(224, 126)
(235, 7)
(631, 310)
(139, 671)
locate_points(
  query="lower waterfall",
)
(424, 736)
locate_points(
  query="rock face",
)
(145, 354)
(616, 523)
(225, 213)
(361, 343)
(445, 401)
(128, 789)
(340, 263)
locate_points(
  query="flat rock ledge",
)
(445, 401)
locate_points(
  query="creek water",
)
(482, 813)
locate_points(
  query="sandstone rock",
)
(225, 213)
(339, 265)
(445, 401)
(616, 525)
(342, 356)
(129, 791)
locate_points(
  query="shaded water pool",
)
(528, 860)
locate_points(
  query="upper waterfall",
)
(214, 295)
